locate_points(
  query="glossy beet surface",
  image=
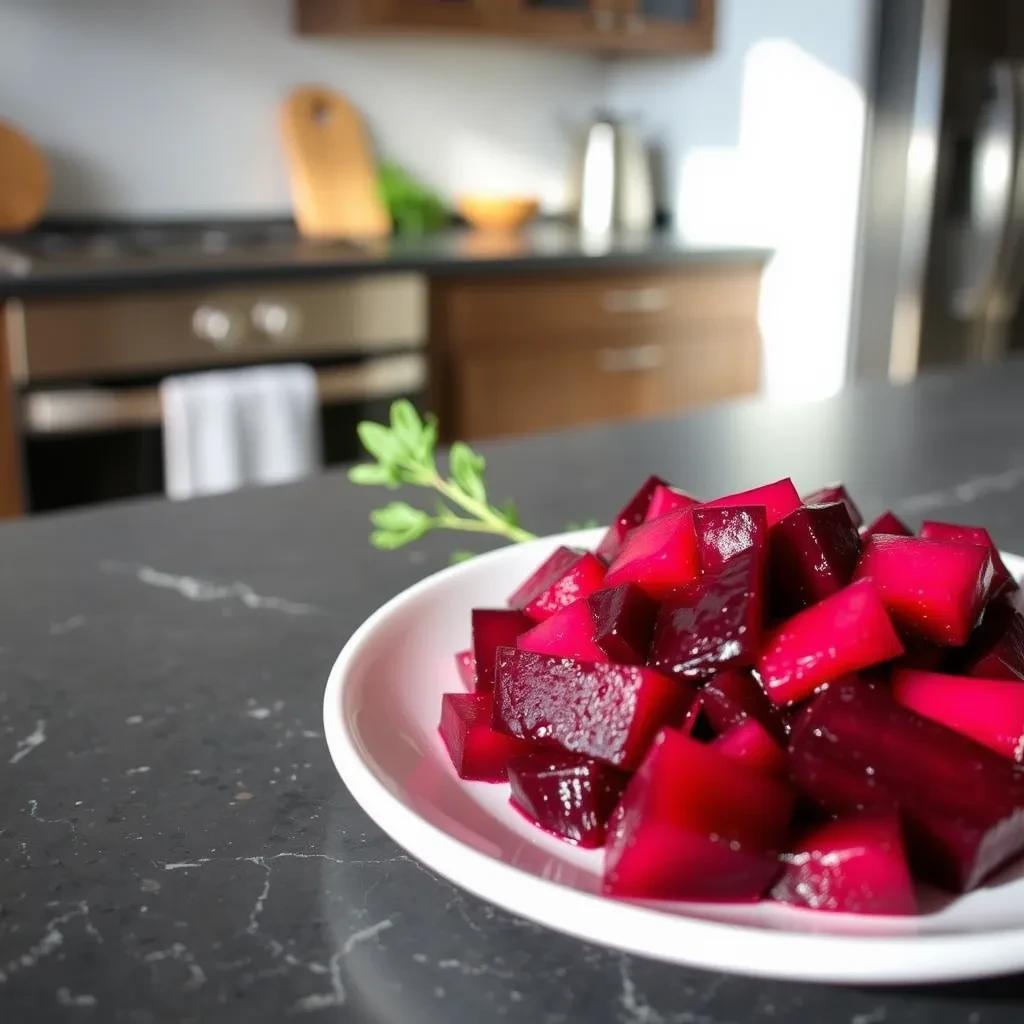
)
(631, 515)
(465, 665)
(778, 499)
(962, 804)
(478, 751)
(694, 824)
(659, 556)
(996, 648)
(751, 745)
(580, 580)
(551, 569)
(887, 522)
(609, 712)
(990, 711)
(568, 795)
(715, 626)
(569, 634)
(855, 865)
(723, 533)
(623, 622)
(494, 628)
(1002, 580)
(934, 590)
(844, 633)
(812, 553)
(730, 698)
(667, 499)
(833, 493)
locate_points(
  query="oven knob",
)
(217, 326)
(279, 321)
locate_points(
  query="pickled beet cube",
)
(844, 633)
(623, 622)
(751, 744)
(731, 698)
(933, 589)
(567, 634)
(609, 712)
(478, 750)
(887, 522)
(717, 625)
(667, 499)
(494, 628)
(659, 556)
(551, 569)
(996, 648)
(990, 711)
(831, 493)
(1002, 580)
(465, 664)
(856, 865)
(725, 532)
(778, 499)
(559, 582)
(565, 794)
(693, 824)
(630, 516)
(812, 553)
(961, 803)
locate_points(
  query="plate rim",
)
(645, 931)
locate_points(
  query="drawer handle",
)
(636, 300)
(220, 327)
(631, 358)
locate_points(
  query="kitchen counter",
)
(175, 841)
(545, 246)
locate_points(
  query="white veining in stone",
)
(364, 934)
(141, 770)
(181, 953)
(68, 625)
(34, 739)
(66, 998)
(133, 720)
(258, 713)
(965, 492)
(875, 1016)
(51, 941)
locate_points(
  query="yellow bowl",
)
(497, 213)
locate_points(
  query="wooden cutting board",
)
(24, 181)
(333, 174)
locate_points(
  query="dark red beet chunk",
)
(996, 648)
(494, 628)
(835, 492)
(568, 795)
(716, 626)
(887, 522)
(623, 623)
(725, 532)
(466, 666)
(1002, 580)
(751, 745)
(668, 499)
(580, 580)
(855, 865)
(476, 748)
(730, 698)
(811, 554)
(551, 569)
(695, 825)
(630, 516)
(963, 804)
(778, 499)
(609, 712)
(659, 556)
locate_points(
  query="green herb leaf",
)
(467, 469)
(379, 441)
(428, 440)
(510, 512)
(370, 474)
(406, 426)
(461, 556)
(586, 524)
(399, 516)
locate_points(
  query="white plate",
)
(381, 711)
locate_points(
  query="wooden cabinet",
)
(606, 26)
(11, 494)
(515, 355)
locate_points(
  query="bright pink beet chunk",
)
(581, 580)
(750, 744)
(494, 628)
(694, 824)
(730, 698)
(465, 664)
(855, 865)
(714, 626)
(933, 589)
(844, 633)
(1002, 580)
(887, 522)
(667, 499)
(630, 516)
(659, 556)
(567, 634)
(725, 532)
(962, 804)
(996, 648)
(477, 749)
(778, 499)
(556, 565)
(831, 493)
(812, 553)
(609, 712)
(990, 711)
(623, 622)
(568, 795)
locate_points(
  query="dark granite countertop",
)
(176, 845)
(545, 246)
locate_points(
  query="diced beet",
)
(996, 648)
(856, 865)
(494, 628)
(567, 634)
(812, 553)
(623, 623)
(568, 795)
(694, 824)
(933, 589)
(924, 656)
(477, 749)
(631, 515)
(582, 578)
(887, 522)
(667, 499)
(659, 556)
(844, 633)
(694, 718)
(725, 532)
(1002, 580)
(551, 569)
(835, 492)
(609, 712)
(465, 663)
(716, 626)
(730, 698)
(751, 745)
(778, 499)
(990, 711)
(962, 804)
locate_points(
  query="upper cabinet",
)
(605, 26)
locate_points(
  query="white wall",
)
(151, 107)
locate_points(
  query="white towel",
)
(229, 428)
